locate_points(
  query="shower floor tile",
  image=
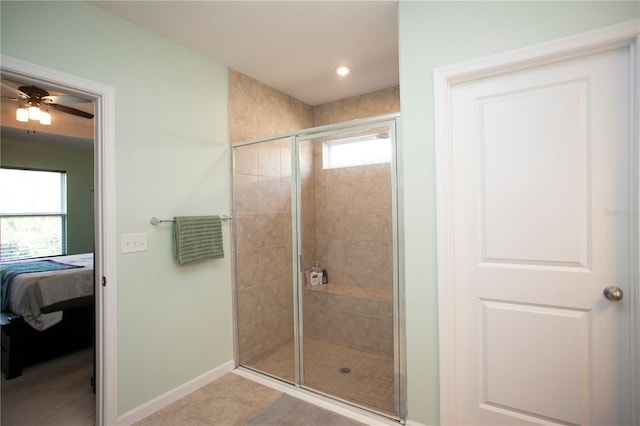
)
(370, 380)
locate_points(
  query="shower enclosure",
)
(316, 262)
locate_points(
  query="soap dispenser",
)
(316, 274)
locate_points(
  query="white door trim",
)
(616, 36)
(105, 222)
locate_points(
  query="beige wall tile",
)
(287, 292)
(285, 159)
(271, 229)
(273, 194)
(257, 110)
(246, 193)
(270, 263)
(246, 160)
(384, 101)
(245, 123)
(259, 302)
(269, 159)
(373, 193)
(374, 225)
(246, 268)
(374, 256)
(245, 231)
(341, 194)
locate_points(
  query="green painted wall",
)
(174, 323)
(78, 163)
(433, 34)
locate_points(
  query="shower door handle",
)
(301, 262)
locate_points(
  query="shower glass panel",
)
(322, 198)
(347, 235)
(263, 257)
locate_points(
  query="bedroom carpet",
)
(57, 392)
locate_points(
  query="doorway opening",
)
(102, 185)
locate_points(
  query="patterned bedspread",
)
(37, 287)
(8, 271)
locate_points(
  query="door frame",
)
(105, 269)
(624, 35)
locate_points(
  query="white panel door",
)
(540, 196)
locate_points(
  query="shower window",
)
(356, 151)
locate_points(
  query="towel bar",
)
(154, 220)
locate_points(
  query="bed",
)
(47, 309)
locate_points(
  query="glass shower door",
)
(315, 262)
(263, 257)
(347, 229)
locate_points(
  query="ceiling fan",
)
(33, 96)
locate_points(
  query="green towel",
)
(197, 238)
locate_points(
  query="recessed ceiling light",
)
(342, 70)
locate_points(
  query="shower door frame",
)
(393, 121)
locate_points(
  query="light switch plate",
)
(133, 242)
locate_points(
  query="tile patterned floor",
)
(233, 400)
(369, 382)
(229, 400)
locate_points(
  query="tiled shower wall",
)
(353, 224)
(354, 243)
(353, 204)
(262, 217)
(263, 210)
(385, 101)
(257, 110)
(263, 248)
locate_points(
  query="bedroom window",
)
(33, 213)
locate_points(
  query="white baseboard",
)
(173, 395)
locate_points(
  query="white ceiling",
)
(293, 46)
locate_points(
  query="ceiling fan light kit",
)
(24, 114)
(38, 103)
(34, 113)
(45, 118)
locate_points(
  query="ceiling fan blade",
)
(12, 98)
(66, 99)
(15, 91)
(69, 110)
